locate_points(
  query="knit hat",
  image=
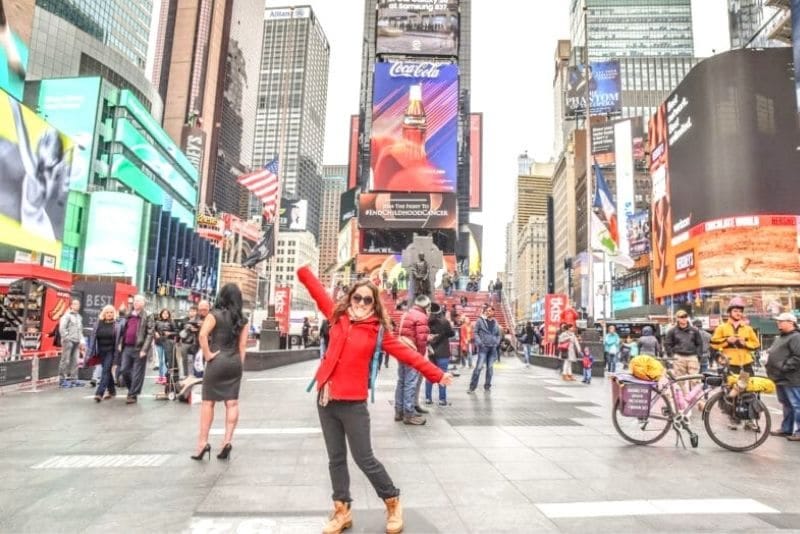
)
(423, 301)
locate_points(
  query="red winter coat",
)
(414, 326)
(346, 364)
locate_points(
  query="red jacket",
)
(414, 326)
(351, 346)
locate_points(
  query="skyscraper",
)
(234, 151)
(334, 183)
(291, 104)
(759, 23)
(190, 65)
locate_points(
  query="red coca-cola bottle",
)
(415, 123)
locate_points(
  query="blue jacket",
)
(487, 333)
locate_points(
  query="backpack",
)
(56, 335)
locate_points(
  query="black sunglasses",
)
(358, 299)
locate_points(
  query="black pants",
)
(349, 420)
(736, 369)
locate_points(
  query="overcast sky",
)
(513, 51)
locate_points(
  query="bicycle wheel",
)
(644, 430)
(730, 433)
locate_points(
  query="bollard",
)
(35, 373)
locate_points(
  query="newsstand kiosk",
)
(33, 298)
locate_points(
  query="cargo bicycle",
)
(734, 416)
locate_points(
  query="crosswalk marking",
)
(653, 507)
(268, 431)
(89, 461)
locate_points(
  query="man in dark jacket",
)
(487, 338)
(685, 344)
(135, 342)
(441, 332)
(413, 331)
(783, 368)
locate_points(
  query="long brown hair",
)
(344, 303)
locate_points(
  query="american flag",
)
(264, 184)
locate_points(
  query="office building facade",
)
(291, 104)
(334, 183)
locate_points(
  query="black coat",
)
(442, 332)
(783, 364)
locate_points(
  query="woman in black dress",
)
(223, 339)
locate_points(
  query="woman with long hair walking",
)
(358, 321)
(223, 339)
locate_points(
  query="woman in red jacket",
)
(342, 379)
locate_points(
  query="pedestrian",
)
(783, 368)
(324, 330)
(684, 343)
(136, 341)
(385, 280)
(528, 340)
(223, 340)
(413, 331)
(587, 360)
(394, 290)
(487, 339)
(648, 343)
(490, 288)
(103, 346)
(498, 288)
(342, 380)
(465, 342)
(735, 339)
(464, 302)
(568, 348)
(629, 349)
(440, 334)
(122, 313)
(611, 344)
(447, 284)
(164, 335)
(187, 340)
(70, 328)
(705, 354)
(306, 331)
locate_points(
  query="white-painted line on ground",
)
(123, 397)
(566, 399)
(268, 431)
(575, 510)
(281, 379)
(89, 461)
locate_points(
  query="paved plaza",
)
(535, 455)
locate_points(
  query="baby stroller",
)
(172, 387)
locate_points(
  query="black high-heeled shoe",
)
(206, 450)
(225, 452)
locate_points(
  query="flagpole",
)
(588, 129)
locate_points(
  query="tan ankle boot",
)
(341, 518)
(394, 516)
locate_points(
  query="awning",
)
(7, 281)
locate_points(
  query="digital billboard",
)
(422, 27)
(71, 105)
(476, 161)
(13, 59)
(414, 127)
(35, 163)
(629, 297)
(347, 206)
(293, 215)
(113, 250)
(407, 210)
(604, 145)
(638, 230)
(724, 170)
(605, 89)
(352, 160)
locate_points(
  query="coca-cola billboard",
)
(414, 127)
(417, 27)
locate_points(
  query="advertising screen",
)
(724, 169)
(352, 160)
(114, 251)
(796, 48)
(294, 214)
(347, 207)
(603, 78)
(71, 105)
(283, 305)
(415, 127)
(554, 305)
(423, 27)
(476, 161)
(604, 145)
(407, 210)
(629, 297)
(639, 233)
(35, 163)
(13, 62)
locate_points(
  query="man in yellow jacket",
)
(735, 339)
